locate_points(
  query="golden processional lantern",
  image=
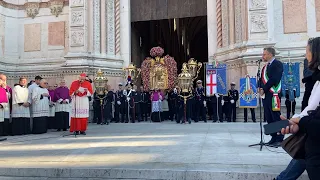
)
(194, 68)
(185, 78)
(131, 71)
(100, 83)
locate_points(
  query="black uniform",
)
(253, 114)
(108, 107)
(200, 109)
(233, 95)
(226, 108)
(98, 105)
(216, 108)
(210, 106)
(184, 110)
(120, 108)
(144, 108)
(137, 109)
(173, 105)
(290, 104)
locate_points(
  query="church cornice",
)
(24, 6)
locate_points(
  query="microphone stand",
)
(261, 143)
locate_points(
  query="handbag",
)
(294, 145)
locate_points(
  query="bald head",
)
(3, 79)
(43, 83)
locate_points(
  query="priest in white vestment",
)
(20, 108)
(40, 108)
(35, 84)
(3, 105)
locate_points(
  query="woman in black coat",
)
(310, 124)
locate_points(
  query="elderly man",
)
(80, 90)
(7, 112)
(20, 108)
(62, 99)
(40, 107)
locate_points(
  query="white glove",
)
(222, 102)
(118, 102)
(128, 98)
(217, 95)
(205, 103)
(232, 101)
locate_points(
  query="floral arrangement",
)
(156, 52)
(170, 65)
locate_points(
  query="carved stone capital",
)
(56, 7)
(32, 9)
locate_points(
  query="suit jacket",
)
(274, 73)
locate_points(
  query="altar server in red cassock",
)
(80, 90)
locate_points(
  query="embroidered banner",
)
(291, 79)
(216, 79)
(248, 94)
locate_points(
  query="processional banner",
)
(291, 79)
(248, 94)
(216, 79)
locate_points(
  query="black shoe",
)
(254, 121)
(64, 129)
(83, 133)
(58, 130)
(275, 144)
(273, 140)
(205, 121)
(245, 121)
(221, 121)
(214, 121)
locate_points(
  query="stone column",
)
(111, 27)
(125, 32)
(96, 27)
(231, 22)
(103, 28)
(212, 28)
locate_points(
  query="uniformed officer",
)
(290, 102)
(253, 114)
(108, 105)
(119, 105)
(200, 102)
(216, 107)
(129, 103)
(98, 105)
(173, 103)
(137, 100)
(209, 101)
(144, 104)
(185, 110)
(234, 97)
(226, 107)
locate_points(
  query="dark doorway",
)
(182, 38)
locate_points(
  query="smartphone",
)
(275, 127)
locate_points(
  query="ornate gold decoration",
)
(56, 7)
(194, 68)
(158, 74)
(184, 78)
(32, 9)
(100, 83)
(132, 71)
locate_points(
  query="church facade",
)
(62, 38)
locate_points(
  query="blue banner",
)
(216, 75)
(248, 94)
(291, 79)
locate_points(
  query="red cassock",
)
(80, 105)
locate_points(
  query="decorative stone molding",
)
(96, 26)
(77, 38)
(76, 3)
(258, 4)
(117, 25)
(219, 24)
(259, 23)
(225, 23)
(23, 6)
(110, 26)
(56, 7)
(32, 9)
(77, 18)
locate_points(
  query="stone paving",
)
(144, 151)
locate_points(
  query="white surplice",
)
(40, 106)
(20, 95)
(4, 105)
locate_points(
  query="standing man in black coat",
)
(271, 75)
(234, 97)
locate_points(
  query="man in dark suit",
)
(270, 79)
